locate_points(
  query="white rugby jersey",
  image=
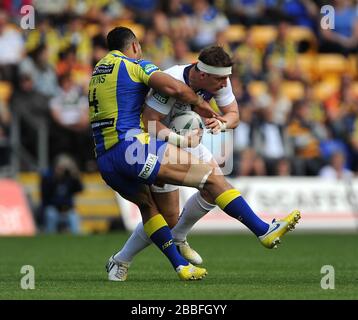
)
(171, 106)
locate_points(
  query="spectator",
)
(247, 12)
(71, 132)
(207, 21)
(281, 55)
(283, 167)
(249, 60)
(32, 106)
(12, 49)
(271, 141)
(77, 37)
(243, 133)
(344, 37)
(251, 164)
(336, 169)
(300, 12)
(305, 136)
(143, 10)
(43, 74)
(69, 64)
(178, 17)
(44, 35)
(156, 46)
(58, 187)
(99, 40)
(180, 55)
(274, 99)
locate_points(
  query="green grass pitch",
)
(70, 267)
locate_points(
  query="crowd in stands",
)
(296, 82)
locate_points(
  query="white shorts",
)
(200, 152)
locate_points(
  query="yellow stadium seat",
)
(293, 90)
(263, 35)
(256, 88)
(92, 29)
(5, 91)
(235, 33)
(324, 89)
(306, 64)
(330, 63)
(353, 65)
(299, 33)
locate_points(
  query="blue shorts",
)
(131, 163)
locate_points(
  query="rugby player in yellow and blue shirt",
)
(129, 160)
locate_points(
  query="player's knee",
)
(198, 174)
(215, 180)
(206, 196)
(171, 220)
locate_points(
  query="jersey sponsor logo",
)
(104, 123)
(148, 166)
(160, 98)
(103, 69)
(149, 68)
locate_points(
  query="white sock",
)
(194, 209)
(136, 243)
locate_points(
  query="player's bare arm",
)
(230, 114)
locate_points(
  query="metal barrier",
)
(19, 152)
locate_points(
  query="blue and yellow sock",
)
(157, 229)
(235, 206)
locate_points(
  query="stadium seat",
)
(256, 88)
(306, 64)
(324, 89)
(293, 90)
(5, 91)
(235, 33)
(299, 33)
(353, 65)
(330, 63)
(92, 29)
(263, 35)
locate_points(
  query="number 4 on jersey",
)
(94, 102)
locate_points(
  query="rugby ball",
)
(186, 121)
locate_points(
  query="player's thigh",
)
(168, 205)
(133, 191)
(182, 168)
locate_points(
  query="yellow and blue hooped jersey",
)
(116, 94)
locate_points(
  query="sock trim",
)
(203, 203)
(226, 197)
(154, 223)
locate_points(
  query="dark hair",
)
(215, 56)
(120, 38)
